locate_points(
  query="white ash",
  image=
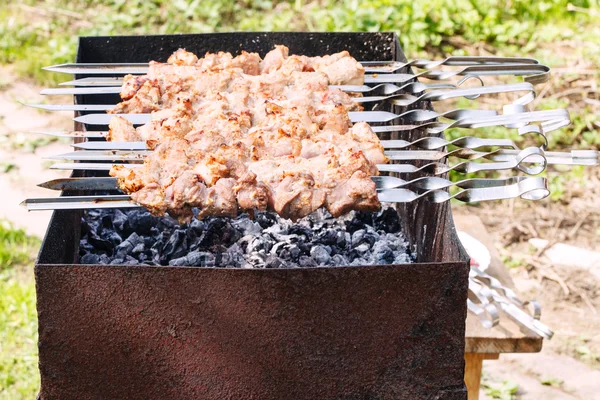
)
(134, 237)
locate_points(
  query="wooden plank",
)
(505, 338)
(473, 366)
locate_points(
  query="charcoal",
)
(285, 254)
(306, 262)
(119, 220)
(328, 237)
(295, 252)
(382, 253)
(107, 222)
(141, 221)
(90, 259)
(301, 230)
(320, 254)
(266, 220)
(175, 247)
(387, 220)
(338, 260)
(357, 237)
(274, 262)
(127, 246)
(179, 262)
(139, 248)
(197, 225)
(99, 243)
(113, 237)
(362, 248)
(135, 237)
(248, 227)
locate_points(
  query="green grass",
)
(34, 34)
(19, 378)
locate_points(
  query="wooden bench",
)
(487, 344)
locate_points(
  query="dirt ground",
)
(569, 365)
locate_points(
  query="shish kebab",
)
(290, 148)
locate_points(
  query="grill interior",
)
(428, 226)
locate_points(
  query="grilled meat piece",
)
(184, 67)
(228, 140)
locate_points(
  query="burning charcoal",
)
(338, 260)
(85, 246)
(99, 243)
(265, 219)
(362, 248)
(387, 220)
(176, 246)
(193, 258)
(305, 261)
(207, 259)
(328, 237)
(90, 259)
(141, 221)
(274, 262)
(107, 222)
(179, 262)
(119, 219)
(301, 230)
(266, 242)
(127, 246)
(248, 227)
(382, 253)
(129, 260)
(113, 237)
(218, 230)
(295, 252)
(285, 254)
(320, 254)
(197, 225)
(139, 248)
(357, 237)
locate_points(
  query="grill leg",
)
(473, 366)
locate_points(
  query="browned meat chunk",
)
(121, 130)
(225, 139)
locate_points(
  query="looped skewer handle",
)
(483, 286)
(529, 188)
(495, 284)
(505, 159)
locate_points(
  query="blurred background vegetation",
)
(560, 33)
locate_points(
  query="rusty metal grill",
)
(366, 332)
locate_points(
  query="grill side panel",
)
(381, 332)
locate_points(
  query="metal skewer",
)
(401, 99)
(355, 116)
(426, 143)
(545, 121)
(370, 66)
(529, 154)
(526, 188)
(533, 72)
